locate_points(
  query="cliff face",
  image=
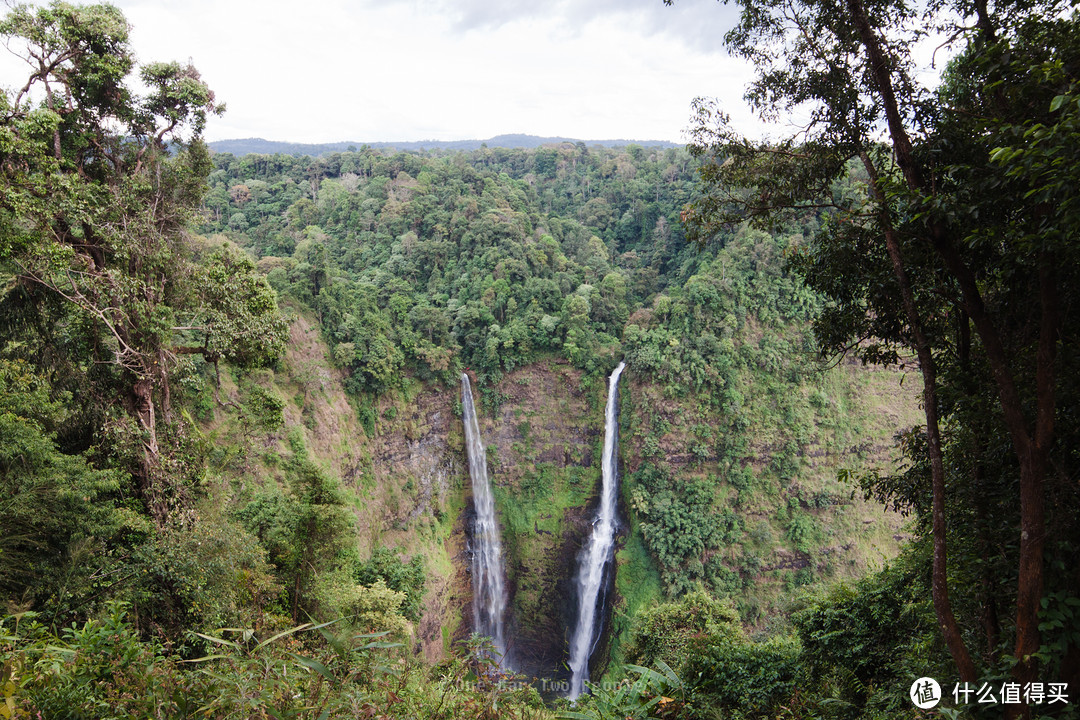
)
(771, 462)
(773, 467)
(546, 440)
(543, 456)
(406, 479)
(412, 500)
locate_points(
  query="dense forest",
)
(232, 466)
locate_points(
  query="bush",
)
(209, 575)
(101, 671)
(665, 632)
(741, 677)
(404, 577)
(879, 633)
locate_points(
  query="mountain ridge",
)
(244, 146)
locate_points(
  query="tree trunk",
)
(954, 640)
(1031, 452)
(141, 407)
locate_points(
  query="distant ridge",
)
(270, 147)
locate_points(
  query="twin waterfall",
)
(489, 587)
(598, 554)
(595, 560)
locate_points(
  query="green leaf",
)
(205, 658)
(219, 641)
(317, 666)
(283, 633)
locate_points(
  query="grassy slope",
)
(404, 482)
(839, 418)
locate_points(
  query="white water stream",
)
(489, 587)
(598, 554)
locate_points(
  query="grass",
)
(638, 584)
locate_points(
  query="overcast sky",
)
(331, 70)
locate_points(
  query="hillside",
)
(406, 487)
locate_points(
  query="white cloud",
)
(325, 70)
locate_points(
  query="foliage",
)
(98, 273)
(58, 511)
(666, 632)
(408, 578)
(723, 671)
(478, 260)
(957, 250)
(861, 642)
(678, 522)
(98, 185)
(645, 697)
(100, 669)
(743, 678)
(210, 573)
(307, 532)
(237, 312)
(97, 669)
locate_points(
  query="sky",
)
(368, 71)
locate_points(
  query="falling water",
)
(598, 553)
(489, 594)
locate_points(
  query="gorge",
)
(538, 271)
(448, 433)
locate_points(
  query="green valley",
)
(233, 470)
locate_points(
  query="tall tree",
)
(958, 251)
(97, 184)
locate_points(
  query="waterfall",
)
(598, 554)
(489, 593)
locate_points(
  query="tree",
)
(50, 509)
(957, 250)
(98, 185)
